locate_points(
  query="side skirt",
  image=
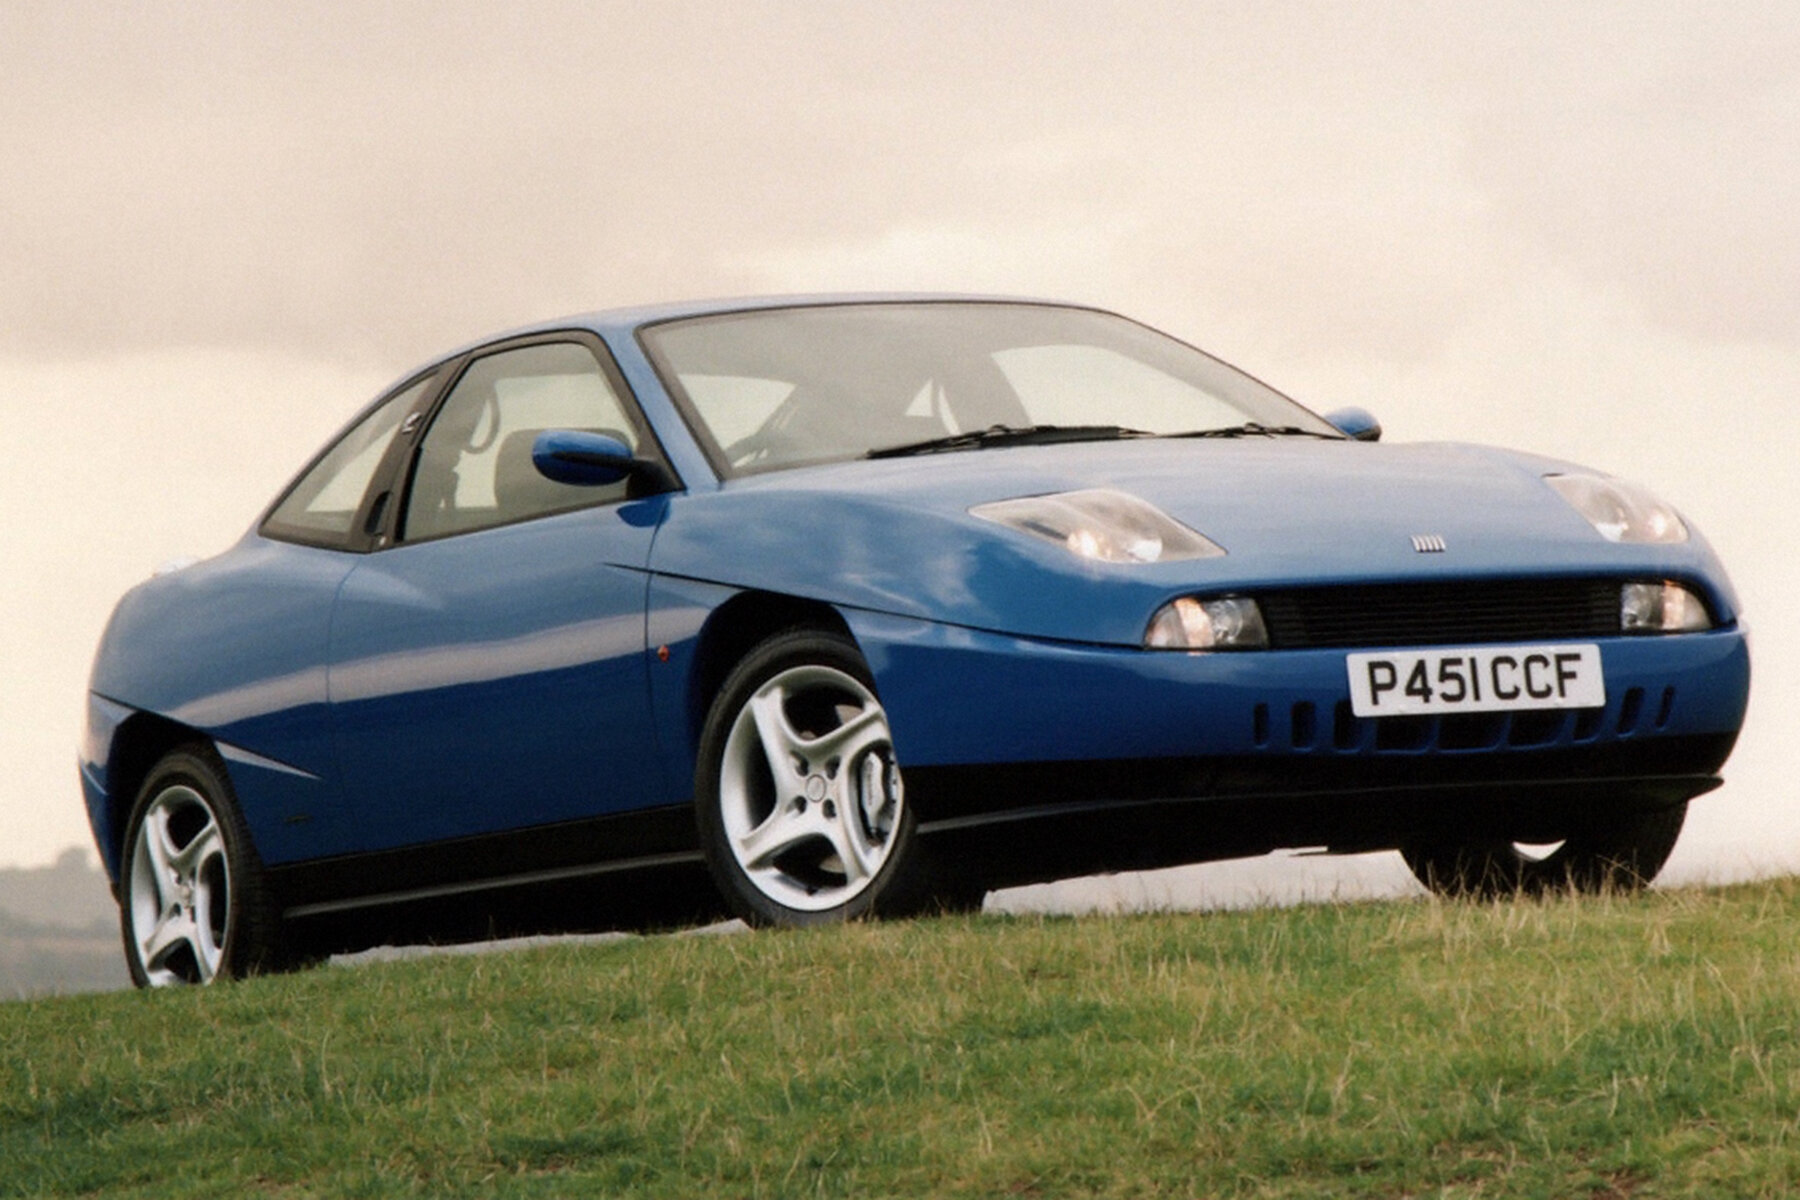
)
(548, 855)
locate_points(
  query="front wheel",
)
(192, 904)
(800, 801)
(1621, 854)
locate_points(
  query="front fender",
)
(853, 551)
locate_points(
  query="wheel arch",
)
(737, 626)
(141, 741)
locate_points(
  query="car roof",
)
(616, 321)
(617, 324)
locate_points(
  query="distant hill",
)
(69, 894)
(59, 930)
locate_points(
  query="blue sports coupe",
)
(810, 609)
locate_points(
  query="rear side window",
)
(475, 470)
(322, 505)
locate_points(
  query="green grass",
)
(1604, 1047)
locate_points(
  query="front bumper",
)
(992, 727)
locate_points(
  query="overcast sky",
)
(1564, 227)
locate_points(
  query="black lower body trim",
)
(1021, 823)
(971, 794)
(1044, 821)
(572, 850)
(496, 883)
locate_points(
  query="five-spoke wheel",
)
(191, 897)
(801, 800)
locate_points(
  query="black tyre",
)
(955, 897)
(1622, 854)
(800, 802)
(193, 905)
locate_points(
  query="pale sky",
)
(1569, 228)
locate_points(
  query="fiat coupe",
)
(812, 609)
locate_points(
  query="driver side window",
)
(475, 470)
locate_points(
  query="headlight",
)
(1621, 511)
(1226, 623)
(1101, 525)
(1661, 608)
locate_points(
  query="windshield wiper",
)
(1009, 435)
(1255, 429)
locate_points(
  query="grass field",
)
(1612, 1047)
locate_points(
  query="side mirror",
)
(593, 460)
(1358, 423)
(585, 459)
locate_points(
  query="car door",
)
(268, 633)
(488, 668)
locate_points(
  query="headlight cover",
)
(1661, 607)
(1619, 510)
(1101, 525)
(1222, 623)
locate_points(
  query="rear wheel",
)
(1622, 854)
(192, 903)
(801, 804)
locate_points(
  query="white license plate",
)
(1398, 683)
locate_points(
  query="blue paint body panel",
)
(376, 698)
(900, 538)
(493, 681)
(1061, 701)
(233, 649)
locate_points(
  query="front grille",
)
(1440, 614)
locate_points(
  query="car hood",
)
(896, 535)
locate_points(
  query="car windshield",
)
(774, 388)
